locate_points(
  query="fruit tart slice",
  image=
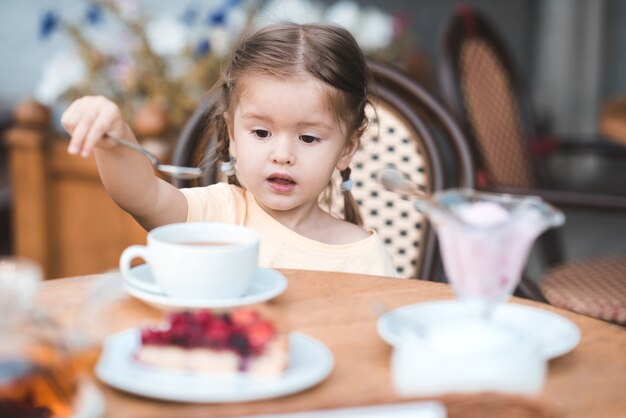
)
(238, 341)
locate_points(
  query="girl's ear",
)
(348, 152)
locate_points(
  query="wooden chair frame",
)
(467, 23)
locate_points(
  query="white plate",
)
(266, 284)
(419, 409)
(89, 401)
(310, 362)
(555, 334)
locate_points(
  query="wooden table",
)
(335, 308)
(613, 119)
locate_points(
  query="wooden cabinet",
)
(62, 216)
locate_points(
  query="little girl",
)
(292, 111)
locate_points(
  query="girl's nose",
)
(282, 153)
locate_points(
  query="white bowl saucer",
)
(266, 284)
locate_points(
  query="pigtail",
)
(227, 164)
(351, 209)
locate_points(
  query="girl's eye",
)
(261, 133)
(308, 139)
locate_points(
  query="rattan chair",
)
(484, 90)
(398, 136)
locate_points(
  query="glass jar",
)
(37, 377)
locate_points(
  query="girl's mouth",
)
(281, 183)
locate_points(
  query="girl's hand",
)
(88, 119)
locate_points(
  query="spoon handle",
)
(153, 159)
(177, 172)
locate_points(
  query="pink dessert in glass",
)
(485, 239)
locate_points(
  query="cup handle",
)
(128, 255)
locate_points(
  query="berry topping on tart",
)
(225, 342)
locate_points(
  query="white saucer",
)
(554, 334)
(310, 362)
(266, 284)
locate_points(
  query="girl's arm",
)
(127, 175)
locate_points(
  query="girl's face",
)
(286, 141)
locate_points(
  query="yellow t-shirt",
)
(280, 246)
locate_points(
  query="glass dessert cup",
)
(485, 239)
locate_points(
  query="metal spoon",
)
(394, 181)
(177, 172)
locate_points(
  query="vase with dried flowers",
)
(158, 68)
(155, 69)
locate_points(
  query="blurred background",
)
(157, 57)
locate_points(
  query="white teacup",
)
(196, 260)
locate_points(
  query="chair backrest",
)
(195, 146)
(481, 86)
(398, 136)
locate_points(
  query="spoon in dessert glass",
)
(393, 180)
(174, 171)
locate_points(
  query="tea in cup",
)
(197, 260)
